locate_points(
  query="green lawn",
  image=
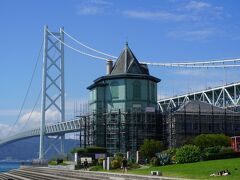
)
(199, 170)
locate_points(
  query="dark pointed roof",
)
(194, 106)
(127, 63)
(126, 67)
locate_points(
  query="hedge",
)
(210, 140)
(89, 150)
(221, 155)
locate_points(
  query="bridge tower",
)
(53, 91)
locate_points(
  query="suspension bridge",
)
(226, 96)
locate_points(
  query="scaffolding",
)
(86, 131)
(120, 131)
(183, 126)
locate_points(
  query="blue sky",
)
(157, 31)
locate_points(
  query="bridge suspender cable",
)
(30, 115)
(168, 64)
(192, 66)
(28, 89)
(108, 55)
(81, 52)
(202, 63)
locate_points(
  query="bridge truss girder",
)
(50, 130)
(227, 96)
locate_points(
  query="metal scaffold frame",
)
(52, 63)
(119, 131)
(184, 125)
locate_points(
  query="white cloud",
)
(190, 11)
(203, 11)
(90, 10)
(5, 129)
(76, 107)
(92, 7)
(193, 35)
(9, 112)
(161, 96)
(32, 120)
(100, 2)
(202, 74)
(197, 5)
(157, 15)
(26, 123)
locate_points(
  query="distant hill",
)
(28, 149)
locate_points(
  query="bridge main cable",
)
(88, 47)
(28, 90)
(159, 64)
(199, 64)
(81, 52)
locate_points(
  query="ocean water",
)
(7, 166)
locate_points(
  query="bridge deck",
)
(54, 129)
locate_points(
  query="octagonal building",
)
(124, 104)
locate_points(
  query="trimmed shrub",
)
(96, 168)
(96, 150)
(227, 155)
(59, 161)
(89, 150)
(150, 147)
(74, 150)
(155, 161)
(219, 153)
(115, 164)
(226, 150)
(59, 156)
(132, 165)
(53, 163)
(79, 150)
(118, 157)
(117, 161)
(188, 154)
(94, 162)
(100, 161)
(211, 140)
(215, 149)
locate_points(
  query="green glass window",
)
(152, 92)
(136, 90)
(115, 90)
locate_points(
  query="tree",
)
(150, 147)
(210, 140)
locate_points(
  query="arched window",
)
(114, 90)
(137, 90)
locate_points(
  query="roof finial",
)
(126, 44)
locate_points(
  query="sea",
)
(7, 166)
